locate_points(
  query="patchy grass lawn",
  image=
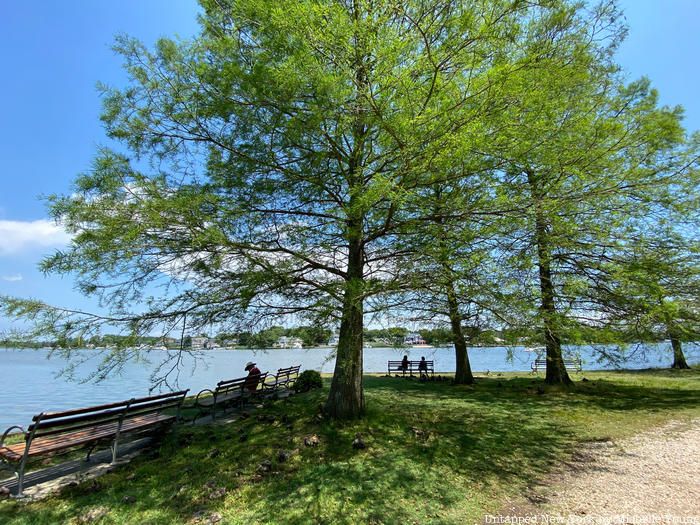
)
(435, 453)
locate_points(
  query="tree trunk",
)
(346, 398)
(556, 371)
(678, 355)
(672, 333)
(463, 373)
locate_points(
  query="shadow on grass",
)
(435, 453)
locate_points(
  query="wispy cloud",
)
(12, 278)
(19, 236)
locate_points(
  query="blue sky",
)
(54, 52)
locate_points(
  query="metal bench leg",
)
(115, 448)
(15, 471)
(87, 458)
(20, 478)
(21, 469)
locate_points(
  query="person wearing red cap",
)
(253, 378)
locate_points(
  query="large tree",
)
(594, 148)
(454, 277)
(266, 165)
(651, 290)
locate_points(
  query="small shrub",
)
(307, 380)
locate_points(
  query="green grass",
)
(475, 447)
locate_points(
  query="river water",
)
(30, 381)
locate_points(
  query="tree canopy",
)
(321, 170)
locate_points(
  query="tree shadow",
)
(436, 453)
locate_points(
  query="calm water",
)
(30, 381)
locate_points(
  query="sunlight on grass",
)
(435, 454)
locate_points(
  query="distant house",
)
(288, 342)
(200, 343)
(414, 338)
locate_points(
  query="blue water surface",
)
(31, 381)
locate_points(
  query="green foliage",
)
(310, 335)
(263, 339)
(653, 290)
(308, 380)
(480, 162)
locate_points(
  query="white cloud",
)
(19, 236)
(12, 278)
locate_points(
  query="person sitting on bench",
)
(423, 368)
(253, 378)
(404, 364)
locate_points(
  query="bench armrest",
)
(4, 436)
(196, 399)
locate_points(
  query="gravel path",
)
(651, 478)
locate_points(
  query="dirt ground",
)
(651, 478)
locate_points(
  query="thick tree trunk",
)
(678, 355)
(556, 371)
(346, 398)
(463, 373)
(672, 333)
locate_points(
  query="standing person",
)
(423, 368)
(251, 382)
(404, 364)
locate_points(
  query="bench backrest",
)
(568, 363)
(413, 366)
(288, 372)
(565, 361)
(154, 404)
(228, 386)
(55, 423)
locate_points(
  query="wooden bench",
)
(284, 378)
(569, 364)
(412, 366)
(228, 392)
(54, 432)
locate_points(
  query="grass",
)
(435, 453)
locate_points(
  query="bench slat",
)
(178, 394)
(42, 446)
(77, 411)
(81, 421)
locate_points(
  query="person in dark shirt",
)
(404, 364)
(251, 382)
(423, 368)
